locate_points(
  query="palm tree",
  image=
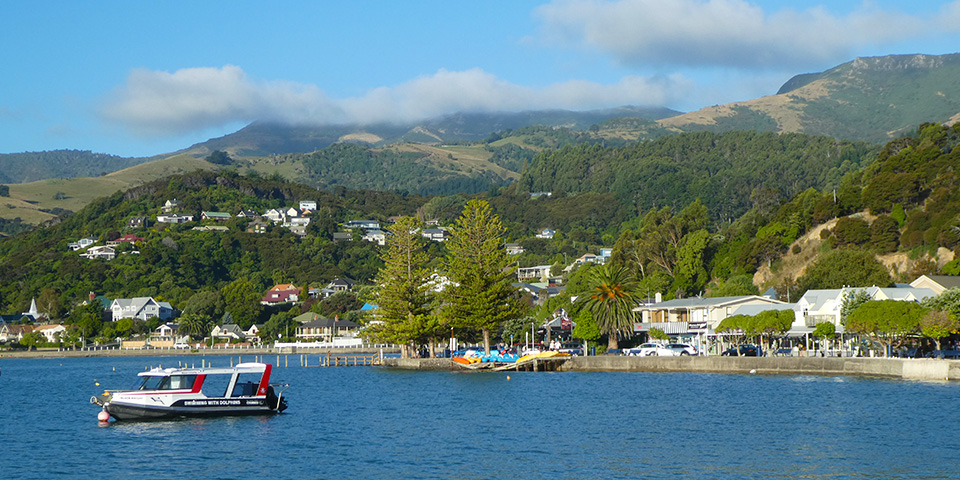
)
(195, 325)
(609, 297)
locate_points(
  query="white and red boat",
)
(196, 392)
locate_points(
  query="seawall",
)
(908, 369)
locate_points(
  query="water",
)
(364, 422)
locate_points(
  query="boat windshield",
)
(172, 382)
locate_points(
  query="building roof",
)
(702, 302)
(321, 322)
(755, 309)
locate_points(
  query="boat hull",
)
(197, 408)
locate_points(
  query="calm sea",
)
(366, 422)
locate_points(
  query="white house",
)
(310, 205)
(100, 251)
(364, 224)
(52, 332)
(274, 215)
(937, 283)
(693, 315)
(546, 234)
(174, 218)
(377, 236)
(435, 234)
(228, 330)
(82, 243)
(539, 272)
(819, 306)
(142, 308)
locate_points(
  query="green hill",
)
(872, 99)
(33, 166)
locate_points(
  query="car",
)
(652, 350)
(743, 351)
(181, 345)
(683, 349)
(574, 349)
(947, 354)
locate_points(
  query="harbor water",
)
(371, 422)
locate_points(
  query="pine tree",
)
(404, 291)
(480, 295)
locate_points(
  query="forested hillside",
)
(722, 170)
(33, 166)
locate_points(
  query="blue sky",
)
(142, 78)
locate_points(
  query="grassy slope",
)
(26, 199)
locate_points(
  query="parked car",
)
(683, 349)
(572, 348)
(180, 345)
(743, 351)
(652, 350)
(947, 354)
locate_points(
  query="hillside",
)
(262, 138)
(42, 201)
(34, 166)
(873, 99)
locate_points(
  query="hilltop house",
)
(310, 205)
(100, 251)
(128, 238)
(436, 234)
(546, 234)
(170, 205)
(216, 216)
(138, 222)
(83, 243)
(175, 218)
(364, 224)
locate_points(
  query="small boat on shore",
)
(195, 392)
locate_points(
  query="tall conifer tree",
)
(404, 292)
(481, 295)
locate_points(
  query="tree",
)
(610, 299)
(404, 291)
(886, 321)
(587, 328)
(196, 325)
(206, 302)
(851, 300)
(242, 301)
(937, 324)
(219, 157)
(480, 295)
(657, 334)
(845, 267)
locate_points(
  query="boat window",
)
(247, 384)
(152, 383)
(216, 385)
(180, 382)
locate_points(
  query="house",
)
(514, 249)
(376, 236)
(248, 214)
(281, 293)
(83, 243)
(211, 228)
(546, 234)
(138, 222)
(257, 226)
(175, 218)
(539, 272)
(310, 205)
(436, 234)
(128, 238)
(51, 333)
(540, 194)
(937, 283)
(274, 215)
(253, 333)
(228, 330)
(316, 292)
(539, 293)
(693, 315)
(216, 216)
(364, 224)
(13, 333)
(342, 237)
(100, 251)
(170, 205)
(820, 306)
(142, 308)
(340, 284)
(296, 222)
(326, 329)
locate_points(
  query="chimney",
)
(92, 296)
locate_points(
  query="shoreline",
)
(175, 352)
(907, 369)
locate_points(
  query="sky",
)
(135, 78)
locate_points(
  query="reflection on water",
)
(362, 422)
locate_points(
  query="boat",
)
(195, 392)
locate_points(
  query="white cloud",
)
(727, 33)
(162, 103)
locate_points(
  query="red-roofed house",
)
(283, 293)
(130, 238)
